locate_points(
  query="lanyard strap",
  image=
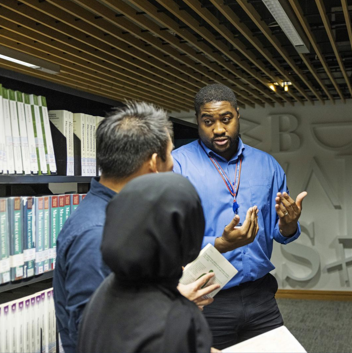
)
(233, 190)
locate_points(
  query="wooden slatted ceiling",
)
(163, 51)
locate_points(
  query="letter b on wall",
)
(282, 137)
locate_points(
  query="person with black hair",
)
(154, 226)
(246, 205)
(133, 141)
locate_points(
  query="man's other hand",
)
(289, 212)
(234, 237)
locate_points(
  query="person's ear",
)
(238, 113)
(153, 163)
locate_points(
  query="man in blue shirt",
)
(246, 206)
(135, 140)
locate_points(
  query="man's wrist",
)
(222, 245)
(288, 231)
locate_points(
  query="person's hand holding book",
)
(195, 291)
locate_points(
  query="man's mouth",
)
(220, 141)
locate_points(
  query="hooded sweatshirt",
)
(154, 226)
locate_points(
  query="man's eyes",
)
(208, 122)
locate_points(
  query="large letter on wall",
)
(282, 137)
(299, 251)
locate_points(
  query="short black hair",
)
(130, 136)
(214, 93)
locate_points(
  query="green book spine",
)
(61, 212)
(39, 235)
(74, 201)
(28, 236)
(16, 244)
(46, 233)
(4, 243)
(54, 226)
(67, 206)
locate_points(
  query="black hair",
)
(214, 93)
(130, 136)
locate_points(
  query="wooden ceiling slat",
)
(207, 16)
(115, 72)
(169, 23)
(81, 72)
(126, 25)
(86, 33)
(107, 28)
(204, 33)
(62, 80)
(304, 23)
(136, 49)
(255, 17)
(347, 19)
(231, 16)
(315, 74)
(151, 26)
(327, 26)
(26, 36)
(57, 36)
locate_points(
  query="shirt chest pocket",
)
(261, 195)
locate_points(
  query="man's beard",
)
(232, 145)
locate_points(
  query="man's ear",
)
(153, 163)
(238, 113)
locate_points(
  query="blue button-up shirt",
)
(261, 179)
(79, 266)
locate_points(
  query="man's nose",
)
(218, 128)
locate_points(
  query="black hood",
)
(154, 226)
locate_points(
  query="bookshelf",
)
(41, 179)
(59, 97)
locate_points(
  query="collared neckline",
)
(239, 152)
(100, 190)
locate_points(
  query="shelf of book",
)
(25, 282)
(42, 179)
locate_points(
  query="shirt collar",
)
(100, 190)
(238, 153)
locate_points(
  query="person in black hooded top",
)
(153, 227)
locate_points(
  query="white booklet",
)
(209, 260)
(279, 340)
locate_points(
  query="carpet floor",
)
(320, 326)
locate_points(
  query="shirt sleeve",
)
(177, 166)
(281, 186)
(85, 272)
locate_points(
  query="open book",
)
(209, 260)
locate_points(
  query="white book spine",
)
(8, 136)
(31, 139)
(24, 137)
(71, 144)
(66, 133)
(27, 327)
(90, 144)
(39, 138)
(16, 138)
(49, 140)
(79, 130)
(3, 166)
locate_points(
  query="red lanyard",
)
(233, 190)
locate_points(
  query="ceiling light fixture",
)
(285, 18)
(28, 60)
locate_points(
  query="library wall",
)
(313, 144)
